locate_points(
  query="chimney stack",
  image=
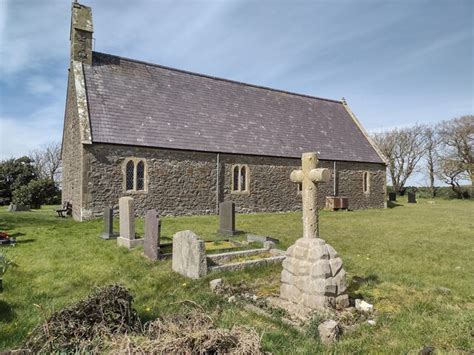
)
(81, 33)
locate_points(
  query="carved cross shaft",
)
(309, 177)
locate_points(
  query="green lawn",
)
(406, 254)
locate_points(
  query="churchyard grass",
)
(414, 262)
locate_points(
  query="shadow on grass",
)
(6, 311)
(25, 221)
(392, 204)
(25, 241)
(17, 234)
(224, 236)
(358, 281)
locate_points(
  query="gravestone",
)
(312, 276)
(151, 248)
(392, 196)
(127, 224)
(108, 224)
(18, 208)
(189, 255)
(227, 218)
(411, 197)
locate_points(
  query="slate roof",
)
(142, 104)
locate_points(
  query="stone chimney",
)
(81, 33)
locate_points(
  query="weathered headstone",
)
(18, 208)
(151, 248)
(189, 255)
(127, 224)
(108, 224)
(392, 196)
(411, 197)
(312, 274)
(227, 218)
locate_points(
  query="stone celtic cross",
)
(309, 176)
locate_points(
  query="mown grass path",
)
(406, 257)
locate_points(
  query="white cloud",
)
(29, 34)
(19, 137)
(40, 85)
(329, 50)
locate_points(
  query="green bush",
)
(37, 193)
(13, 174)
(22, 196)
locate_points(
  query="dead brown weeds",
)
(190, 333)
(106, 322)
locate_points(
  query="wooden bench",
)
(67, 208)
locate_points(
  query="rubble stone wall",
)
(184, 183)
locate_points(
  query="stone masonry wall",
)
(271, 189)
(184, 183)
(350, 184)
(177, 183)
(72, 153)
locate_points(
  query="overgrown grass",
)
(400, 259)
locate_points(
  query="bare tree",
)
(457, 137)
(47, 160)
(403, 149)
(431, 139)
(451, 172)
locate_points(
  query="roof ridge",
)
(220, 79)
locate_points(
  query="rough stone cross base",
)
(313, 275)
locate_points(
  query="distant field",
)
(407, 253)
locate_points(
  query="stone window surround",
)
(366, 182)
(247, 180)
(135, 161)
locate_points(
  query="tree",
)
(451, 172)
(38, 192)
(13, 174)
(403, 149)
(457, 137)
(431, 139)
(47, 160)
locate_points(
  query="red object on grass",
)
(4, 235)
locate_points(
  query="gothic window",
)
(243, 178)
(235, 178)
(129, 172)
(240, 178)
(366, 182)
(140, 176)
(135, 175)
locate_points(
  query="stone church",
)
(182, 142)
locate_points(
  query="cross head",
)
(309, 176)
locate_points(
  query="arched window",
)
(129, 175)
(243, 178)
(235, 178)
(135, 175)
(366, 182)
(240, 178)
(140, 176)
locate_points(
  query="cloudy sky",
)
(395, 62)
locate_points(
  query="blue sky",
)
(395, 62)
